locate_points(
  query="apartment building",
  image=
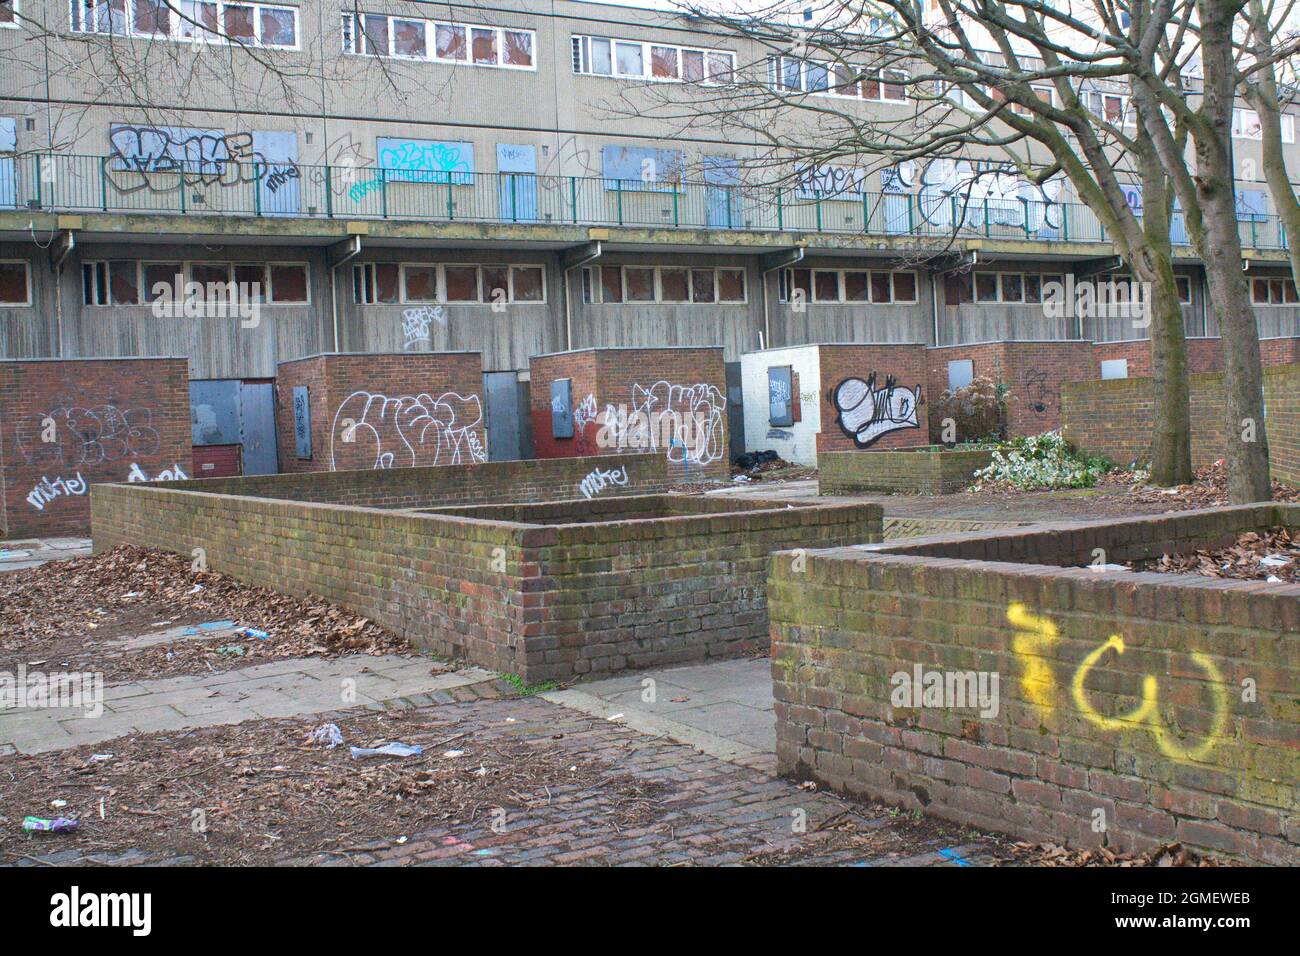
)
(507, 178)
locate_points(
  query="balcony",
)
(67, 183)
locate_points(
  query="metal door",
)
(503, 432)
(257, 427)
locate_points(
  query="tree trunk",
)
(1246, 444)
(1171, 428)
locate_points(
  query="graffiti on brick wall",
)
(865, 413)
(584, 415)
(75, 436)
(46, 491)
(410, 430)
(599, 479)
(1036, 636)
(1040, 393)
(686, 421)
(174, 473)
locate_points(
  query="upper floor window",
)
(1246, 125)
(837, 79)
(15, 283)
(200, 21)
(620, 284)
(408, 38)
(1111, 107)
(392, 283)
(8, 13)
(129, 282)
(602, 56)
(1273, 292)
(846, 285)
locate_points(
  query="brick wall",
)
(689, 381)
(1204, 355)
(410, 409)
(839, 363)
(1113, 418)
(935, 471)
(1057, 755)
(107, 420)
(554, 479)
(543, 601)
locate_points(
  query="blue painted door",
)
(8, 170)
(517, 166)
(721, 197)
(277, 181)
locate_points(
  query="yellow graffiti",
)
(1034, 637)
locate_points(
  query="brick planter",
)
(1133, 709)
(933, 470)
(549, 591)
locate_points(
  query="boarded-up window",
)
(1013, 289)
(731, 285)
(496, 283)
(528, 284)
(385, 277)
(13, 283)
(702, 285)
(213, 276)
(640, 284)
(673, 282)
(250, 283)
(961, 372)
(663, 62)
(881, 287)
(611, 284)
(239, 22)
(518, 48)
(421, 283)
(957, 288)
(986, 287)
(152, 17)
(450, 42)
(484, 43)
(562, 408)
(409, 38)
(904, 286)
(855, 286)
(462, 283)
(289, 283)
(780, 414)
(826, 285)
(123, 283)
(161, 279)
(1033, 289)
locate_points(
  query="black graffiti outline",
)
(882, 408)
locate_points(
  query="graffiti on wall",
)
(1040, 393)
(416, 323)
(599, 479)
(410, 430)
(954, 192)
(204, 157)
(865, 413)
(76, 437)
(1034, 637)
(46, 490)
(686, 421)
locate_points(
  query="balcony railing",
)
(70, 183)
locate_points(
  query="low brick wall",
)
(1132, 709)
(1113, 418)
(582, 589)
(551, 479)
(932, 471)
(66, 423)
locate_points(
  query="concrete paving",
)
(30, 552)
(722, 708)
(287, 688)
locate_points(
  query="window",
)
(673, 284)
(1111, 107)
(375, 34)
(461, 283)
(1273, 292)
(388, 283)
(111, 283)
(196, 21)
(1246, 124)
(289, 282)
(15, 286)
(161, 280)
(986, 287)
(1010, 287)
(602, 56)
(847, 285)
(1184, 289)
(8, 13)
(837, 79)
(375, 283)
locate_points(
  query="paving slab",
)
(287, 688)
(32, 552)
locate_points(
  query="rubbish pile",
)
(1272, 556)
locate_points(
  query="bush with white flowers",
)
(1041, 462)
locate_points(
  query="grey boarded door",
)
(503, 431)
(735, 410)
(257, 428)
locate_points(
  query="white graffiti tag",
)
(866, 413)
(696, 413)
(408, 431)
(584, 413)
(174, 473)
(73, 436)
(601, 478)
(416, 322)
(46, 490)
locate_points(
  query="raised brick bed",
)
(1132, 708)
(933, 470)
(542, 591)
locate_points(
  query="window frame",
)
(27, 277)
(440, 283)
(593, 282)
(16, 22)
(355, 42)
(786, 282)
(83, 18)
(580, 50)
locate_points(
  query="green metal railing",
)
(72, 183)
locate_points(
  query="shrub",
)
(1040, 462)
(979, 411)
